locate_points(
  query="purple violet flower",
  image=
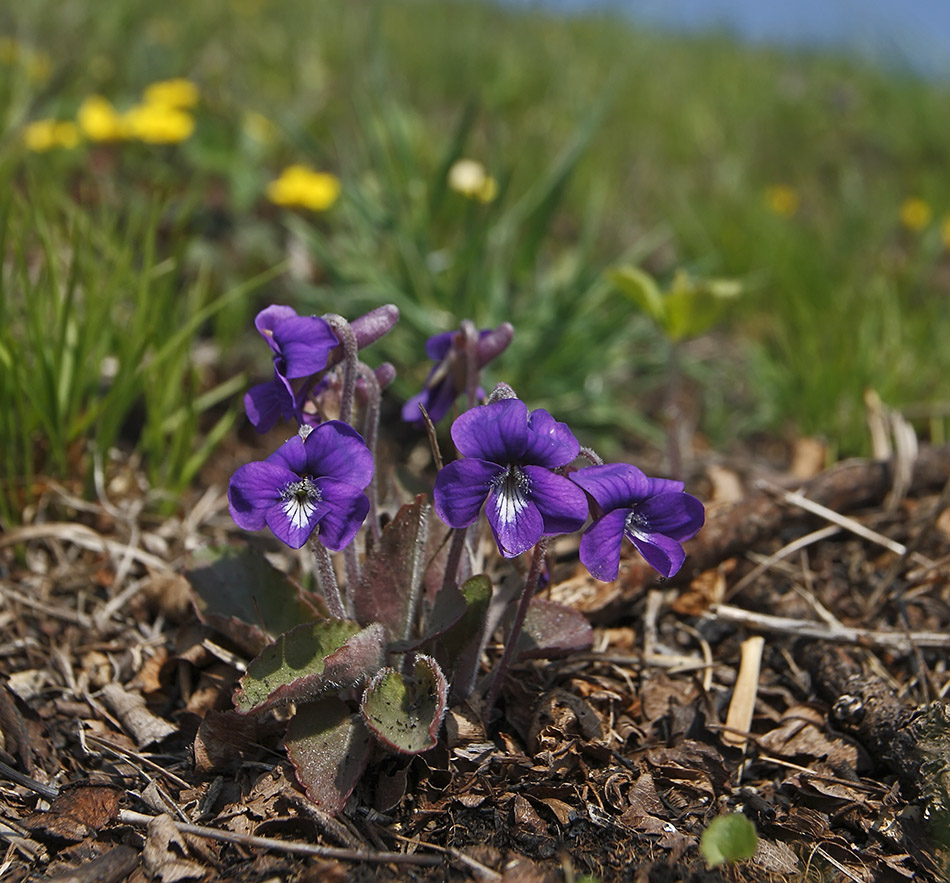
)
(301, 344)
(302, 347)
(447, 378)
(305, 485)
(509, 458)
(653, 513)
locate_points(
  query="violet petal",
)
(600, 546)
(678, 516)
(347, 508)
(253, 489)
(460, 489)
(305, 343)
(337, 450)
(664, 555)
(614, 485)
(496, 432)
(550, 443)
(514, 518)
(562, 504)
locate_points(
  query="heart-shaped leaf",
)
(329, 747)
(405, 711)
(728, 838)
(392, 575)
(552, 630)
(309, 661)
(237, 592)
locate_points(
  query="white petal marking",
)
(298, 511)
(511, 495)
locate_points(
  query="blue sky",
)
(905, 33)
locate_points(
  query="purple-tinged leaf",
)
(463, 644)
(329, 747)
(237, 592)
(405, 712)
(392, 575)
(310, 661)
(553, 630)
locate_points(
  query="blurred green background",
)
(142, 228)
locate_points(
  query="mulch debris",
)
(122, 757)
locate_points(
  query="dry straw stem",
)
(742, 706)
(837, 633)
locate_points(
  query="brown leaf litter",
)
(796, 671)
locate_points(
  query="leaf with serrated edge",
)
(406, 712)
(329, 748)
(552, 630)
(310, 661)
(392, 574)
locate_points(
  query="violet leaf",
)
(405, 711)
(311, 661)
(329, 748)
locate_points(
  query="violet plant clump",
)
(375, 660)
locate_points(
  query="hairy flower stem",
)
(454, 560)
(674, 413)
(591, 456)
(370, 436)
(347, 340)
(326, 577)
(530, 587)
(471, 360)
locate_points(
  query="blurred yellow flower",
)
(782, 200)
(301, 186)
(100, 121)
(468, 177)
(178, 92)
(37, 65)
(43, 135)
(915, 214)
(158, 123)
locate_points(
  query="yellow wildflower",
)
(178, 92)
(782, 200)
(43, 135)
(301, 186)
(159, 123)
(915, 214)
(468, 177)
(100, 121)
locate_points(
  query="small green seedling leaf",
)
(310, 661)
(641, 288)
(237, 592)
(693, 306)
(728, 839)
(552, 630)
(405, 711)
(392, 574)
(329, 748)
